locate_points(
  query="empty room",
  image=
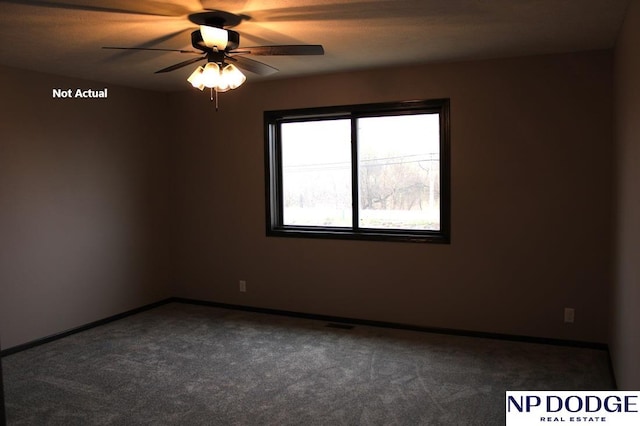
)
(316, 212)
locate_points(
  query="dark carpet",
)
(182, 364)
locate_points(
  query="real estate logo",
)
(526, 408)
(59, 93)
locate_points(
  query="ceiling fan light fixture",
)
(196, 79)
(214, 37)
(211, 75)
(232, 76)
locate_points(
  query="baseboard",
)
(103, 321)
(356, 321)
(328, 318)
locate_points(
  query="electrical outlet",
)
(569, 315)
(243, 286)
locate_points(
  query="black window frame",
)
(273, 171)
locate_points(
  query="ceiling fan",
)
(216, 43)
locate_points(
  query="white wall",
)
(84, 211)
(626, 310)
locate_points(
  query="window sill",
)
(363, 234)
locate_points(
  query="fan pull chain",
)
(216, 98)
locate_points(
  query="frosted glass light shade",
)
(211, 75)
(220, 80)
(214, 37)
(232, 76)
(196, 78)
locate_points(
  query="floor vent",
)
(340, 326)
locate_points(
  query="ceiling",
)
(65, 37)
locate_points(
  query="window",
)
(375, 171)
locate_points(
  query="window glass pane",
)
(316, 173)
(399, 172)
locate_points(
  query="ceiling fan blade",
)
(181, 64)
(151, 45)
(231, 5)
(329, 11)
(291, 49)
(150, 48)
(140, 7)
(253, 66)
(299, 13)
(162, 39)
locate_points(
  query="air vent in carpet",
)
(340, 326)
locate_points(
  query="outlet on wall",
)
(243, 286)
(569, 315)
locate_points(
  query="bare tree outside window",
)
(399, 172)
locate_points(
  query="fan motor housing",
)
(217, 18)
